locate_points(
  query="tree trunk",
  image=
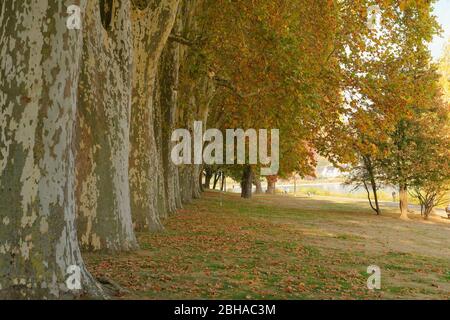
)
(200, 180)
(258, 186)
(375, 208)
(161, 199)
(186, 183)
(217, 176)
(196, 191)
(370, 170)
(375, 196)
(39, 81)
(169, 72)
(195, 97)
(246, 182)
(271, 183)
(102, 193)
(403, 194)
(222, 185)
(151, 28)
(295, 184)
(427, 203)
(208, 177)
(428, 210)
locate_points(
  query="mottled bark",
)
(197, 98)
(195, 92)
(103, 193)
(202, 92)
(151, 28)
(257, 184)
(181, 183)
(186, 183)
(168, 78)
(38, 98)
(161, 198)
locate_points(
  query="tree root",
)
(111, 287)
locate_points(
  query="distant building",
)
(328, 172)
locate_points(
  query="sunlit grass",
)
(224, 247)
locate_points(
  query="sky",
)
(442, 12)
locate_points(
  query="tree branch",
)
(227, 84)
(182, 40)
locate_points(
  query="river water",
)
(335, 188)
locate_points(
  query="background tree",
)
(444, 71)
(388, 81)
(365, 175)
(431, 158)
(281, 67)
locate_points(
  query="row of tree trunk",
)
(85, 126)
(249, 178)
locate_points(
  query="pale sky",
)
(442, 12)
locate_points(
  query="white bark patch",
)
(25, 247)
(30, 178)
(43, 228)
(95, 241)
(5, 221)
(4, 248)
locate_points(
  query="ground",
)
(283, 247)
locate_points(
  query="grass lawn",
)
(282, 247)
